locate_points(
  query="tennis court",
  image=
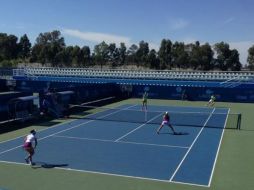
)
(124, 142)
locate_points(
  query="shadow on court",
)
(176, 133)
(47, 165)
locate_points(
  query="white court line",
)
(93, 172)
(57, 125)
(217, 153)
(122, 142)
(67, 129)
(136, 128)
(109, 174)
(108, 98)
(191, 147)
(48, 136)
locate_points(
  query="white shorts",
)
(165, 122)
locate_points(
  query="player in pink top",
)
(28, 146)
(166, 121)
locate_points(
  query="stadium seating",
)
(130, 74)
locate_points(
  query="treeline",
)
(50, 48)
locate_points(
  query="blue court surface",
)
(132, 149)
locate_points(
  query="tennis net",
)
(192, 119)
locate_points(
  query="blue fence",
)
(91, 88)
(195, 93)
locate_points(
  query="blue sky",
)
(89, 22)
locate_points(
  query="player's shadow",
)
(181, 133)
(176, 133)
(47, 165)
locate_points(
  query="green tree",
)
(165, 54)
(77, 56)
(122, 53)
(24, 47)
(67, 56)
(47, 47)
(132, 54)
(206, 57)
(60, 57)
(153, 60)
(3, 49)
(227, 59)
(179, 55)
(142, 53)
(250, 58)
(113, 54)
(234, 61)
(101, 53)
(87, 55)
(223, 53)
(194, 55)
(8, 47)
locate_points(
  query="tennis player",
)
(144, 101)
(211, 101)
(166, 121)
(28, 146)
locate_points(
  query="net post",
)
(239, 121)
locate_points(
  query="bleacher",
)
(165, 84)
(130, 74)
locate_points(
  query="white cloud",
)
(242, 48)
(179, 23)
(97, 37)
(108, 38)
(228, 20)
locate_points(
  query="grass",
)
(234, 168)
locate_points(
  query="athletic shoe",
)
(27, 161)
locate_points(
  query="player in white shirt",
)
(28, 146)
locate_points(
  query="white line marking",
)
(109, 174)
(101, 172)
(57, 125)
(47, 136)
(150, 144)
(66, 129)
(192, 184)
(85, 103)
(191, 146)
(123, 142)
(137, 128)
(215, 161)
